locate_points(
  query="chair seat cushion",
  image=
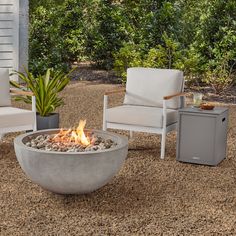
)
(11, 117)
(140, 115)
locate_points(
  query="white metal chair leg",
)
(163, 135)
(1, 136)
(105, 104)
(163, 144)
(34, 110)
(131, 135)
(104, 127)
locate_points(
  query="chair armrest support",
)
(174, 95)
(105, 104)
(33, 101)
(21, 92)
(115, 91)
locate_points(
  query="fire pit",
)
(71, 161)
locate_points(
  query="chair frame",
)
(162, 130)
(24, 127)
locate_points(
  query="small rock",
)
(46, 142)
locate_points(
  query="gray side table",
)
(202, 135)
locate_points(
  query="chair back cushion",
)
(148, 86)
(5, 99)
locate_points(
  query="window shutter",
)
(9, 34)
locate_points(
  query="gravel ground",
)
(149, 196)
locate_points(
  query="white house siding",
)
(9, 34)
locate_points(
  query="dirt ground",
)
(148, 196)
(86, 72)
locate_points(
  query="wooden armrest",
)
(174, 95)
(21, 92)
(115, 91)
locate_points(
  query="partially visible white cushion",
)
(5, 99)
(11, 116)
(140, 115)
(148, 86)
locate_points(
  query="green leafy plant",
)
(128, 56)
(169, 55)
(47, 45)
(189, 35)
(221, 77)
(45, 88)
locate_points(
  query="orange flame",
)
(76, 135)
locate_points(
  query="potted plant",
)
(45, 88)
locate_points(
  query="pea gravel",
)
(149, 196)
(46, 142)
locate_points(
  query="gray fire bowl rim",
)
(123, 142)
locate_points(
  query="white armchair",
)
(151, 103)
(14, 119)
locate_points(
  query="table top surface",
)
(215, 111)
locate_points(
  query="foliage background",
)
(198, 37)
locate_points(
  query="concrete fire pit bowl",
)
(71, 172)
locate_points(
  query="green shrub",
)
(220, 76)
(190, 35)
(108, 35)
(46, 47)
(128, 56)
(168, 55)
(78, 18)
